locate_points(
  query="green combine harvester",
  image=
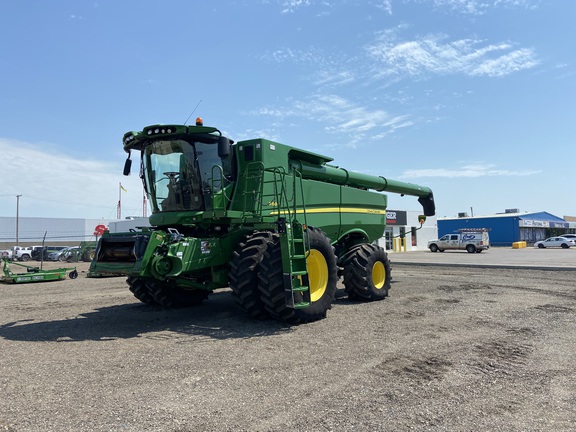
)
(277, 224)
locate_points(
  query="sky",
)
(475, 99)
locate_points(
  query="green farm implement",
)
(36, 274)
(277, 224)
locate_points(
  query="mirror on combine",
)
(127, 166)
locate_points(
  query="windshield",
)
(178, 174)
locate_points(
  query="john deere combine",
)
(277, 224)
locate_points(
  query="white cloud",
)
(433, 54)
(334, 78)
(342, 115)
(291, 5)
(471, 171)
(385, 5)
(54, 184)
(480, 7)
(356, 123)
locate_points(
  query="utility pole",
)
(17, 215)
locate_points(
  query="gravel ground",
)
(456, 349)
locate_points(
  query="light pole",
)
(17, 215)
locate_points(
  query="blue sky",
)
(475, 99)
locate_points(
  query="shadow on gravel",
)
(217, 318)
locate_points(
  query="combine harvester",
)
(277, 224)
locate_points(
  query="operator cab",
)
(183, 175)
(182, 168)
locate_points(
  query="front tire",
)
(367, 273)
(170, 295)
(433, 248)
(322, 278)
(139, 288)
(541, 246)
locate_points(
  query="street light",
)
(17, 215)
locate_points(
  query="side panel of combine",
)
(363, 210)
(321, 205)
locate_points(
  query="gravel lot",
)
(450, 349)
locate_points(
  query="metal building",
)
(30, 231)
(507, 228)
(405, 226)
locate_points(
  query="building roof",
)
(542, 216)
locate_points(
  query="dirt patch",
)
(450, 349)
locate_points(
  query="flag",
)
(122, 187)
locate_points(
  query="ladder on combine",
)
(273, 204)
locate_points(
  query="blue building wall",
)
(504, 229)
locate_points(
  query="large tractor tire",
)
(322, 278)
(88, 255)
(169, 295)
(244, 270)
(139, 288)
(367, 273)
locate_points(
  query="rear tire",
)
(471, 249)
(88, 256)
(367, 273)
(565, 246)
(322, 278)
(243, 275)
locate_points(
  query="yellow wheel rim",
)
(317, 274)
(378, 274)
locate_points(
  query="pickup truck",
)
(468, 240)
(22, 253)
(6, 253)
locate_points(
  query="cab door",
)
(454, 241)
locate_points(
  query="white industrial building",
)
(28, 231)
(405, 233)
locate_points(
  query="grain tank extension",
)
(277, 224)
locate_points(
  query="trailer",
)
(36, 274)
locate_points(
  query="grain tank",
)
(277, 224)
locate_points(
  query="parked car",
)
(61, 254)
(570, 236)
(562, 242)
(36, 251)
(48, 250)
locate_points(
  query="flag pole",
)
(119, 212)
